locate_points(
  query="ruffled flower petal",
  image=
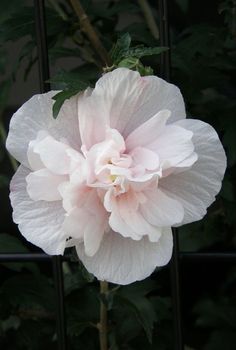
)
(40, 222)
(53, 155)
(161, 210)
(173, 145)
(34, 116)
(123, 100)
(197, 187)
(147, 132)
(117, 168)
(123, 260)
(43, 185)
(87, 222)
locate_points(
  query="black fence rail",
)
(177, 258)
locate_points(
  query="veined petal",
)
(34, 159)
(40, 222)
(93, 120)
(73, 195)
(122, 260)
(36, 115)
(120, 226)
(73, 224)
(145, 157)
(87, 223)
(127, 220)
(123, 100)
(93, 235)
(173, 146)
(54, 155)
(160, 209)
(197, 187)
(147, 132)
(156, 95)
(118, 93)
(43, 185)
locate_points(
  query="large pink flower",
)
(111, 175)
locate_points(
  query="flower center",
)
(113, 178)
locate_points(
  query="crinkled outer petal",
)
(40, 222)
(124, 100)
(160, 209)
(35, 115)
(122, 260)
(197, 187)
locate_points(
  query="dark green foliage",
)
(123, 55)
(121, 46)
(60, 98)
(71, 85)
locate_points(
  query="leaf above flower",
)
(71, 84)
(123, 50)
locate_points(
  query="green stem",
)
(3, 137)
(103, 318)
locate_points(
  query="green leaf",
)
(20, 24)
(143, 311)
(68, 81)
(60, 99)
(71, 84)
(142, 51)
(134, 298)
(76, 280)
(121, 46)
(135, 64)
(140, 33)
(65, 95)
(162, 306)
(130, 62)
(88, 310)
(144, 70)
(124, 56)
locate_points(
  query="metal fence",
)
(178, 256)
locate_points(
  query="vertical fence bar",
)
(175, 274)
(41, 41)
(176, 294)
(164, 39)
